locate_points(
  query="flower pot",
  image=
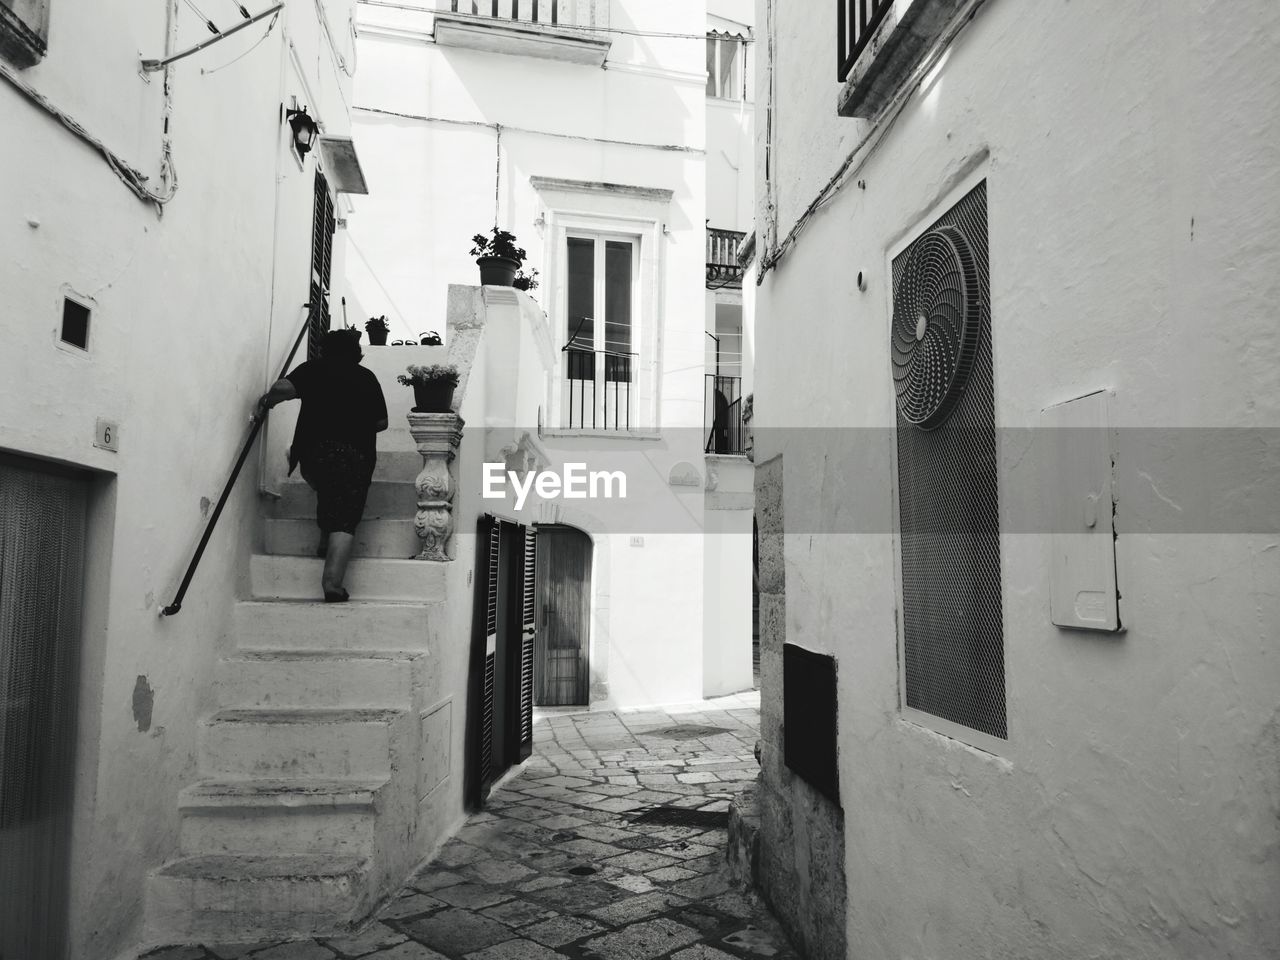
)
(434, 397)
(497, 271)
(377, 338)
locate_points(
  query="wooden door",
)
(563, 637)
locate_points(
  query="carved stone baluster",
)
(437, 436)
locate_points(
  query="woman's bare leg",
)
(335, 561)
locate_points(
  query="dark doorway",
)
(42, 536)
(563, 637)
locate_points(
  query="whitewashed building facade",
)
(582, 128)
(1018, 272)
(156, 253)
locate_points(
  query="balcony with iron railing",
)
(879, 45)
(575, 31)
(598, 392)
(722, 415)
(723, 269)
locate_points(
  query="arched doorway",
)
(562, 641)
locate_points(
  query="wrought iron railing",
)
(722, 257)
(598, 386)
(254, 427)
(566, 13)
(722, 415)
(857, 22)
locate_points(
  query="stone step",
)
(232, 898)
(368, 578)
(285, 817)
(402, 464)
(387, 500)
(283, 677)
(392, 539)
(298, 743)
(356, 625)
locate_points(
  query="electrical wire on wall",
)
(862, 150)
(497, 170)
(132, 178)
(257, 43)
(339, 60)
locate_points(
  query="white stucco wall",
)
(429, 142)
(183, 309)
(1133, 209)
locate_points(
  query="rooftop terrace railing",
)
(565, 13)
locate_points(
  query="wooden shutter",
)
(528, 626)
(322, 228)
(488, 767)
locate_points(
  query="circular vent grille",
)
(935, 326)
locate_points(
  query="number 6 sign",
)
(107, 435)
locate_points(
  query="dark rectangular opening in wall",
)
(809, 718)
(75, 324)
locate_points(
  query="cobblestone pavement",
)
(582, 855)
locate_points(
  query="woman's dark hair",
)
(341, 346)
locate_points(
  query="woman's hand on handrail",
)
(281, 390)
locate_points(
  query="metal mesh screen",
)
(948, 500)
(42, 523)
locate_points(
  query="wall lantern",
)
(304, 128)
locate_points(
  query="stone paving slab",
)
(557, 865)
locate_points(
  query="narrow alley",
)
(609, 843)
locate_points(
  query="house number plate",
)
(106, 435)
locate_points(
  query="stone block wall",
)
(801, 848)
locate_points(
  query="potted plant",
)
(497, 256)
(433, 386)
(526, 281)
(377, 328)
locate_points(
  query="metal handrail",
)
(257, 422)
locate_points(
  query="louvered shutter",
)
(322, 227)
(528, 627)
(488, 707)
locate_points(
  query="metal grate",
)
(948, 502)
(685, 731)
(683, 817)
(42, 527)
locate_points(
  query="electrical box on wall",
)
(1078, 486)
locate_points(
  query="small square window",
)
(75, 324)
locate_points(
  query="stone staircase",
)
(309, 771)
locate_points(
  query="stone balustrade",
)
(437, 436)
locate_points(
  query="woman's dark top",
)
(340, 401)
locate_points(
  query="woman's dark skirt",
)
(340, 475)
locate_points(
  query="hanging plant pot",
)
(497, 271)
(377, 338)
(434, 397)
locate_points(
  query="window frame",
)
(738, 78)
(600, 239)
(635, 211)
